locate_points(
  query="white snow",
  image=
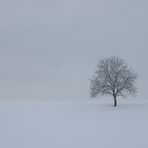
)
(69, 124)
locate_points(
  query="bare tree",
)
(113, 77)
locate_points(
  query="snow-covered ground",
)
(69, 124)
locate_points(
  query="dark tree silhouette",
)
(113, 77)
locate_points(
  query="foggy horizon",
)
(49, 49)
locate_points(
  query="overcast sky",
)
(49, 48)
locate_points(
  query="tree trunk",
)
(115, 101)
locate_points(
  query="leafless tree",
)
(113, 77)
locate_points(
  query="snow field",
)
(69, 124)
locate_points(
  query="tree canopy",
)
(113, 77)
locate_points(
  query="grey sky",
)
(49, 48)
